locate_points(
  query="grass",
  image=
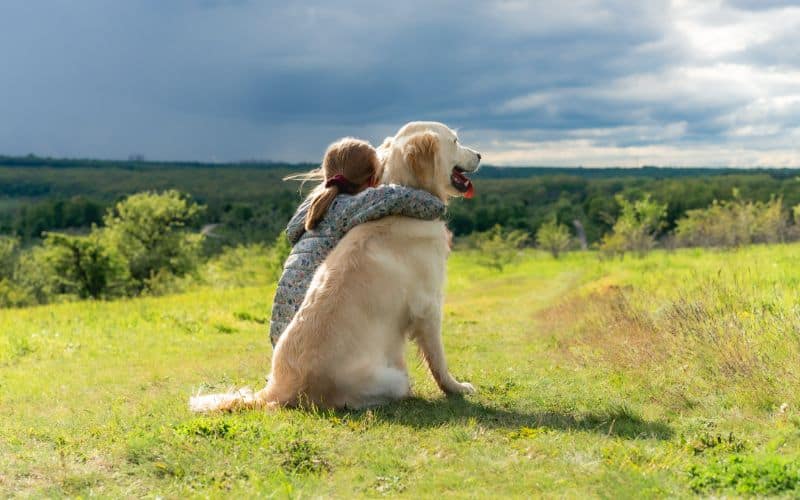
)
(672, 375)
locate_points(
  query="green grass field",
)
(671, 375)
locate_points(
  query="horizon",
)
(257, 162)
(686, 84)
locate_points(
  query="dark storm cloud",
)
(239, 79)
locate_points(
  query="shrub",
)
(746, 475)
(9, 249)
(636, 227)
(149, 231)
(34, 279)
(553, 237)
(733, 223)
(498, 247)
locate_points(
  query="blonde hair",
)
(348, 165)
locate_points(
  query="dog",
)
(381, 285)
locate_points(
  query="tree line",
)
(249, 203)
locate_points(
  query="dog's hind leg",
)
(384, 385)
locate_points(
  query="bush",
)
(149, 231)
(733, 223)
(9, 249)
(34, 280)
(636, 227)
(553, 237)
(498, 247)
(747, 475)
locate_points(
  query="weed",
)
(223, 328)
(246, 316)
(389, 484)
(208, 427)
(20, 347)
(526, 433)
(716, 442)
(301, 456)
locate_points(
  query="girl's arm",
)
(391, 199)
(297, 225)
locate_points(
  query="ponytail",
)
(320, 205)
(346, 168)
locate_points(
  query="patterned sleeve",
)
(297, 225)
(391, 199)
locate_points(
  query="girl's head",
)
(349, 166)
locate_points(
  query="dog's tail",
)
(242, 399)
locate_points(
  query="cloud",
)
(663, 82)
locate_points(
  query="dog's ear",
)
(387, 143)
(419, 153)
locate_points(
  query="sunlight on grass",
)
(669, 375)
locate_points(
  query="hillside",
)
(663, 376)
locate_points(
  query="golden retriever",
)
(381, 285)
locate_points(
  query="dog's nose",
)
(479, 156)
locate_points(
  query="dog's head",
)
(427, 155)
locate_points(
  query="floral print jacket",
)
(309, 248)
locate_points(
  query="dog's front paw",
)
(468, 388)
(461, 388)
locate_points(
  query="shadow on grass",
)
(422, 413)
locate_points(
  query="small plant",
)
(553, 237)
(716, 442)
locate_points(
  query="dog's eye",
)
(455, 140)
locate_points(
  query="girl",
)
(347, 197)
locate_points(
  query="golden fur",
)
(381, 285)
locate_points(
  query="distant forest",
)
(249, 202)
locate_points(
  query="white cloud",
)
(590, 153)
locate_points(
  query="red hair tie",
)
(341, 182)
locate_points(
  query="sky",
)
(568, 83)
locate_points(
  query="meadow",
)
(674, 374)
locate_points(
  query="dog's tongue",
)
(470, 191)
(463, 183)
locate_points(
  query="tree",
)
(636, 227)
(499, 248)
(149, 230)
(85, 266)
(553, 237)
